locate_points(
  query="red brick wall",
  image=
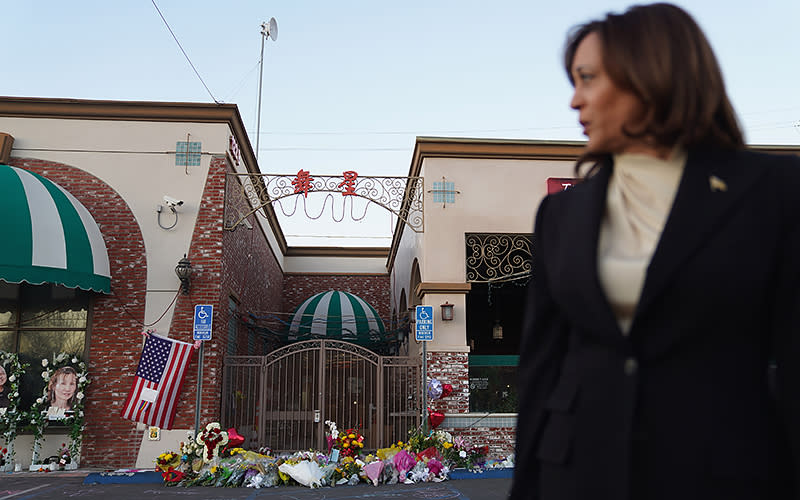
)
(251, 274)
(236, 263)
(500, 440)
(373, 288)
(205, 254)
(450, 368)
(115, 343)
(453, 368)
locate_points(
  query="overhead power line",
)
(417, 132)
(185, 54)
(332, 149)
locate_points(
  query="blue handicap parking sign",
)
(203, 319)
(423, 331)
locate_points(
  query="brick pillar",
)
(450, 368)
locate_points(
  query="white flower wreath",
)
(212, 438)
(38, 415)
(12, 414)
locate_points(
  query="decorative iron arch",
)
(246, 194)
(308, 345)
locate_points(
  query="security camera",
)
(172, 202)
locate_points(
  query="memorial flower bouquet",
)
(350, 442)
(455, 452)
(347, 468)
(191, 453)
(167, 461)
(212, 438)
(332, 434)
(463, 454)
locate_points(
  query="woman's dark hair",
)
(660, 54)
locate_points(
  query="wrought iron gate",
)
(283, 399)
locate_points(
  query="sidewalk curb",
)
(500, 473)
(149, 477)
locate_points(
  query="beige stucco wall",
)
(494, 196)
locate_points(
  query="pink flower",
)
(435, 466)
(404, 462)
(373, 471)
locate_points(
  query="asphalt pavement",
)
(45, 486)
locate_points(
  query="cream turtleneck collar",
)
(639, 197)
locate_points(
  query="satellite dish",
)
(272, 31)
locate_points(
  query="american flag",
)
(154, 395)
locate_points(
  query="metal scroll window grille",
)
(495, 258)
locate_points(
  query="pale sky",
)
(348, 85)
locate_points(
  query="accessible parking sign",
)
(203, 319)
(424, 324)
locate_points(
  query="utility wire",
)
(329, 149)
(233, 93)
(185, 54)
(116, 151)
(418, 132)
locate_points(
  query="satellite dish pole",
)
(267, 30)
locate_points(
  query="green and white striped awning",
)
(336, 315)
(48, 235)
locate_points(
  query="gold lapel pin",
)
(717, 184)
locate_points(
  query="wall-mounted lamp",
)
(497, 330)
(184, 272)
(447, 311)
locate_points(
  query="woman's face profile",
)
(3, 377)
(65, 387)
(604, 109)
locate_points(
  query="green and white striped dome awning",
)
(336, 315)
(49, 236)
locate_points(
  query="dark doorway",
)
(491, 306)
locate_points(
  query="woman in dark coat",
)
(664, 285)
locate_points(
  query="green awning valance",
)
(48, 235)
(336, 315)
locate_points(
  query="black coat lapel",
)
(712, 183)
(588, 302)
